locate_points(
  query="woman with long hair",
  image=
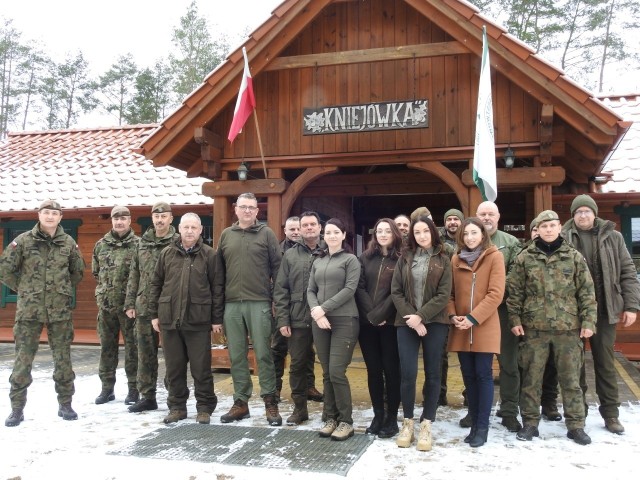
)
(331, 295)
(420, 291)
(377, 338)
(478, 288)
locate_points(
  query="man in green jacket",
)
(510, 246)
(617, 293)
(247, 265)
(551, 305)
(110, 266)
(143, 265)
(43, 266)
(181, 310)
(293, 315)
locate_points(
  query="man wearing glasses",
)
(246, 267)
(617, 293)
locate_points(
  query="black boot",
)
(15, 417)
(132, 397)
(472, 434)
(376, 423)
(105, 396)
(66, 412)
(480, 437)
(389, 426)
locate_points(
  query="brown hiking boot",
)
(613, 425)
(175, 416)
(238, 411)
(203, 418)
(66, 412)
(15, 417)
(300, 413)
(271, 410)
(314, 395)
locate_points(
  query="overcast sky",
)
(105, 31)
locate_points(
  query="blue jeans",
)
(433, 344)
(477, 374)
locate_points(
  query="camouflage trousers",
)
(110, 324)
(566, 346)
(27, 337)
(148, 340)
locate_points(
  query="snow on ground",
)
(44, 446)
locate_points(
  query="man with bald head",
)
(510, 246)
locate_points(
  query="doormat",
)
(250, 446)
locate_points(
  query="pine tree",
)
(199, 54)
(116, 86)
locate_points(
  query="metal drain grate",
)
(250, 446)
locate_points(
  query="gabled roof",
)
(88, 169)
(624, 163)
(173, 143)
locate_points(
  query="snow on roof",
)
(88, 168)
(625, 161)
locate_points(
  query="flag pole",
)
(264, 166)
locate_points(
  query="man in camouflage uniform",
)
(43, 266)
(136, 304)
(552, 305)
(112, 256)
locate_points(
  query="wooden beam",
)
(446, 175)
(234, 188)
(546, 134)
(385, 157)
(513, 177)
(383, 54)
(204, 136)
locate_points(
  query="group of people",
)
(467, 288)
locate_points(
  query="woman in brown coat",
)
(478, 288)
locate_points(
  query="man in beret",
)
(110, 266)
(617, 293)
(551, 305)
(45, 294)
(136, 304)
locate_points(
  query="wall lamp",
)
(509, 158)
(243, 170)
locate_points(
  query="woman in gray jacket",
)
(331, 296)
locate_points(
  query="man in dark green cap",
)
(617, 293)
(452, 220)
(43, 265)
(111, 263)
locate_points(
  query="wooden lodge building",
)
(367, 109)
(327, 73)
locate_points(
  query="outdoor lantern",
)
(243, 170)
(509, 158)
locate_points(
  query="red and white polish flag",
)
(246, 103)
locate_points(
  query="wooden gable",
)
(323, 53)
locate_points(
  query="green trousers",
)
(255, 320)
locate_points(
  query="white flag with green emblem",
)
(484, 153)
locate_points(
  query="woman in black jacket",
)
(377, 337)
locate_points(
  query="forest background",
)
(595, 42)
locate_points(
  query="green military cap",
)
(546, 216)
(50, 204)
(119, 211)
(584, 201)
(161, 207)
(453, 212)
(533, 224)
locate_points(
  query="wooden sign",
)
(366, 118)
